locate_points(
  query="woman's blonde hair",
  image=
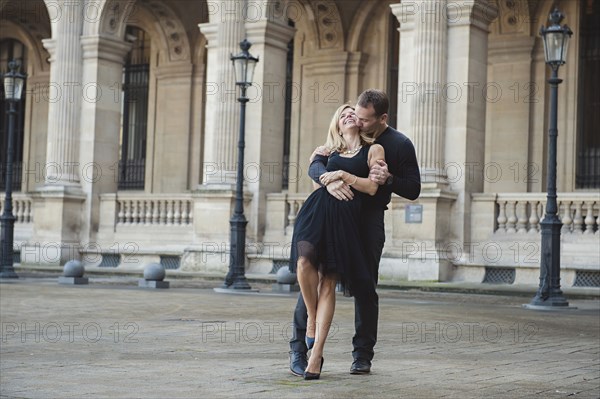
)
(335, 140)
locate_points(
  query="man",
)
(398, 174)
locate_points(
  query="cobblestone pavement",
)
(113, 340)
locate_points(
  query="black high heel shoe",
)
(310, 342)
(314, 376)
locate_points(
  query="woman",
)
(326, 242)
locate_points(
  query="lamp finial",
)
(556, 17)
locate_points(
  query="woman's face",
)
(347, 120)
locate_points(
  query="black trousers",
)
(366, 301)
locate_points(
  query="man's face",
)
(367, 121)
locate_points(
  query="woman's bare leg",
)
(324, 317)
(308, 278)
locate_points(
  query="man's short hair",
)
(378, 98)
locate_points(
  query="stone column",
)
(405, 12)
(214, 199)
(171, 142)
(415, 249)
(446, 120)
(58, 204)
(539, 141)
(103, 59)
(428, 110)
(466, 96)
(223, 33)
(264, 152)
(36, 122)
(62, 154)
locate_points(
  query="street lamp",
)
(13, 87)
(243, 64)
(549, 295)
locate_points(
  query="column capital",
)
(104, 48)
(270, 33)
(479, 13)
(405, 13)
(50, 45)
(326, 63)
(174, 71)
(511, 49)
(356, 62)
(210, 30)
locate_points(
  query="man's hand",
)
(340, 190)
(321, 150)
(379, 172)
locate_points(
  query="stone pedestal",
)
(152, 284)
(285, 288)
(420, 251)
(154, 274)
(73, 273)
(286, 281)
(73, 280)
(213, 207)
(56, 227)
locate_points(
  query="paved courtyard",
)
(113, 340)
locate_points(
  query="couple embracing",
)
(339, 231)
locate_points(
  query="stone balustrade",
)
(522, 212)
(142, 228)
(293, 203)
(22, 208)
(282, 209)
(509, 225)
(154, 209)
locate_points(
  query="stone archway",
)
(359, 24)
(30, 35)
(170, 83)
(319, 80)
(157, 17)
(111, 18)
(369, 42)
(513, 18)
(29, 23)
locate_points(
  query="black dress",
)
(327, 229)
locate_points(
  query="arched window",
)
(11, 49)
(588, 131)
(134, 113)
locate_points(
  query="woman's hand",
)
(330, 177)
(321, 150)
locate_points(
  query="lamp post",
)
(549, 295)
(13, 86)
(243, 64)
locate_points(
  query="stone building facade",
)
(127, 135)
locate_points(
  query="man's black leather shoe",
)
(298, 363)
(360, 366)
